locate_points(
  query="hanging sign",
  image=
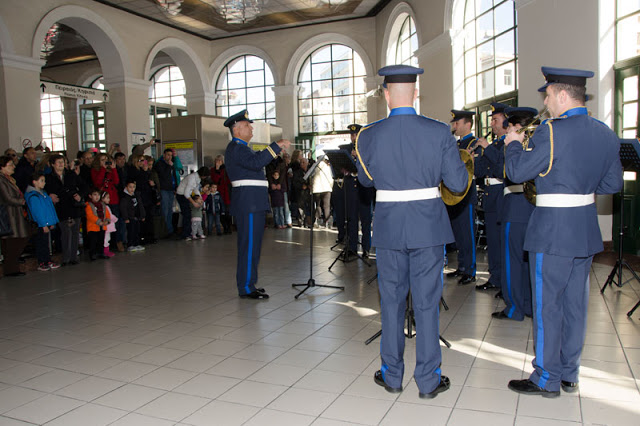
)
(76, 92)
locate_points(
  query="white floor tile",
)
(415, 415)
(224, 413)
(253, 393)
(89, 414)
(303, 401)
(15, 396)
(279, 374)
(44, 409)
(129, 397)
(326, 381)
(207, 386)
(357, 409)
(196, 362)
(491, 400)
(174, 406)
(268, 417)
(135, 419)
(461, 417)
(165, 378)
(90, 388)
(238, 368)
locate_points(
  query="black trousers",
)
(12, 248)
(95, 243)
(42, 246)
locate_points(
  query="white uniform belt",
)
(513, 189)
(492, 181)
(388, 196)
(250, 182)
(564, 200)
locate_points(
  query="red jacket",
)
(107, 180)
(220, 178)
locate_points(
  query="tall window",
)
(627, 68)
(332, 90)
(246, 82)
(402, 48)
(53, 125)
(490, 49)
(167, 96)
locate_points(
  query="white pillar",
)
(71, 126)
(436, 84)
(127, 111)
(374, 102)
(287, 110)
(201, 103)
(19, 101)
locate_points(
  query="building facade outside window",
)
(246, 82)
(53, 123)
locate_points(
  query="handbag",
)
(5, 223)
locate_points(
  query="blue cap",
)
(240, 116)
(565, 76)
(498, 108)
(457, 114)
(399, 74)
(354, 128)
(519, 113)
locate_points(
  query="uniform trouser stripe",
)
(473, 241)
(247, 284)
(507, 260)
(539, 322)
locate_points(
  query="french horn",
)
(451, 198)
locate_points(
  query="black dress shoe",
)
(466, 279)
(526, 386)
(254, 295)
(487, 286)
(500, 315)
(377, 377)
(73, 262)
(455, 273)
(569, 387)
(261, 290)
(15, 274)
(444, 385)
(499, 295)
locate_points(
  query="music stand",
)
(341, 162)
(311, 282)
(630, 159)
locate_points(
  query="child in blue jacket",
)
(43, 213)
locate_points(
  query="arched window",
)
(167, 96)
(53, 124)
(490, 56)
(97, 83)
(627, 68)
(332, 90)
(246, 82)
(402, 48)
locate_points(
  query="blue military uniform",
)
(463, 215)
(489, 165)
(405, 157)
(516, 285)
(249, 203)
(571, 158)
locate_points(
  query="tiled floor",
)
(161, 338)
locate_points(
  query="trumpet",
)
(529, 187)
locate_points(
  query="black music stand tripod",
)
(311, 282)
(630, 159)
(341, 161)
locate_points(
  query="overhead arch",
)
(394, 26)
(195, 74)
(225, 57)
(454, 15)
(306, 48)
(104, 40)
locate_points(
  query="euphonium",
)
(529, 187)
(452, 198)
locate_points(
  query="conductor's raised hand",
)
(284, 143)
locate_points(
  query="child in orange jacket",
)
(98, 218)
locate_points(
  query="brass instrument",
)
(529, 187)
(451, 198)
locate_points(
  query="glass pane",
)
(222, 111)
(484, 27)
(626, 7)
(162, 90)
(322, 105)
(234, 109)
(222, 82)
(57, 130)
(343, 104)
(164, 100)
(361, 118)
(359, 86)
(44, 104)
(305, 72)
(469, 11)
(321, 55)
(323, 123)
(470, 90)
(255, 95)
(470, 62)
(178, 88)
(321, 88)
(343, 120)
(237, 65)
(223, 98)
(321, 71)
(486, 84)
(341, 69)
(255, 78)
(630, 89)
(175, 73)
(469, 36)
(254, 63)
(268, 77)
(256, 112)
(361, 103)
(304, 91)
(304, 107)
(236, 81)
(305, 124)
(628, 36)
(404, 31)
(340, 51)
(270, 95)
(343, 86)
(358, 66)
(485, 56)
(46, 119)
(482, 5)
(237, 97)
(505, 47)
(271, 109)
(505, 78)
(629, 134)
(504, 16)
(162, 75)
(179, 100)
(630, 115)
(55, 103)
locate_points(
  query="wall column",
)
(19, 101)
(71, 125)
(201, 103)
(372, 83)
(436, 84)
(287, 110)
(127, 111)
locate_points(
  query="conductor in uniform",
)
(249, 200)
(463, 214)
(406, 156)
(489, 165)
(572, 157)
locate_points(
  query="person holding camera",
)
(67, 191)
(104, 176)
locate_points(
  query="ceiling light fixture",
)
(238, 11)
(171, 7)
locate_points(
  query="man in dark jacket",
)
(164, 168)
(132, 214)
(26, 168)
(67, 191)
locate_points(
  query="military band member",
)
(249, 200)
(337, 194)
(463, 214)
(516, 285)
(572, 157)
(489, 165)
(406, 156)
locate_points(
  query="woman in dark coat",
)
(221, 179)
(13, 199)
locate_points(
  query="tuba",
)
(529, 187)
(451, 198)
